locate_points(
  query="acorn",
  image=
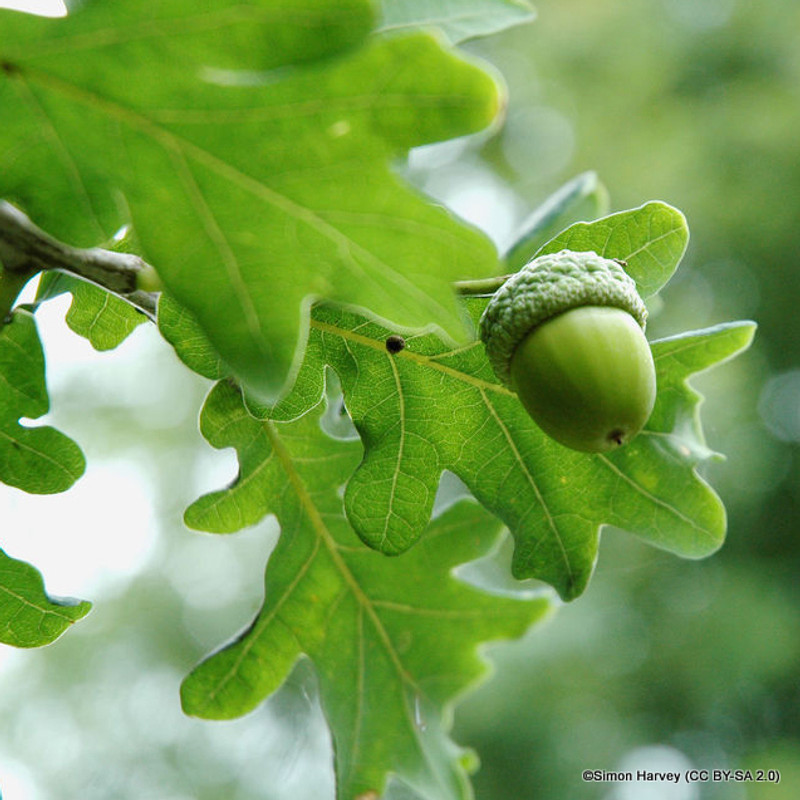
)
(566, 333)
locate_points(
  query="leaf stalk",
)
(480, 286)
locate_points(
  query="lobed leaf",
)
(651, 240)
(40, 460)
(677, 406)
(458, 20)
(177, 325)
(28, 617)
(430, 408)
(232, 168)
(102, 318)
(393, 641)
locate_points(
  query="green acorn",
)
(566, 333)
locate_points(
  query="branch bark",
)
(26, 249)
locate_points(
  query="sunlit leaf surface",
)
(101, 317)
(651, 240)
(40, 460)
(28, 617)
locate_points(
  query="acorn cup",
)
(566, 333)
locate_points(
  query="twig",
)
(26, 249)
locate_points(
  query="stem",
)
(480, 286)
(23, 246)
(26, 249)
(146, 302)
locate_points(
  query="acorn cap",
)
(546, 287)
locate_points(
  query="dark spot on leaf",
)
(9, 68)
(394, 344)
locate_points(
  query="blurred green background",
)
(663, 663)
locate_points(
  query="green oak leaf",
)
(180, 328)
(458, 20)
(651, 240)
(28, 617)
(39, 460)
(101, 317)
(430, 408)
(256, 174)
(393, 641)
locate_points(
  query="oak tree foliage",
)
(247, 151)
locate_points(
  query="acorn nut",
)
(566, 333)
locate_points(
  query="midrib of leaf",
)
(650, 242)
(325, 536)
(45, 611)
(96, 318)
(17, 443)
(364, 604)
(223, 248)
(427, 361)
(177, 145)
(14, 388)
(690, 345)
(400, 449)
(345, 246)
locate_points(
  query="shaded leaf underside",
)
(246, 167)
(430, 408)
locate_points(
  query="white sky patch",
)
(44, 8)
(100, 531)
(97, 533)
